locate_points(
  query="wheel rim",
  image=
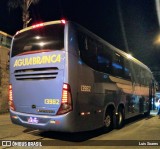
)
(107, 121)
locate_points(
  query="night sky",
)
(130, 25)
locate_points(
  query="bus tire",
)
(120, 118)
(108, 121)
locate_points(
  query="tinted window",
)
(127, 69)
(101, 58)
(49, 37)
(145, 77)
(137, 73)
(104, 59)
(88, 50)
(117, 65)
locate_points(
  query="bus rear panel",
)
(39, 94)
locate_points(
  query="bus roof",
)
(40, 25)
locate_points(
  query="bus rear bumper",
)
(43, 122)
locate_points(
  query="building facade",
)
(5, 42)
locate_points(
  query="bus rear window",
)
(47, 38)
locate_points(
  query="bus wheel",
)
(108, 121)
(120, 118)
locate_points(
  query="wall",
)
(4, 78)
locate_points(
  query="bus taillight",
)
(66, 102)
(11, 104)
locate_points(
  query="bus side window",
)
(91, 53)
(145, 77)
(104, 59)
(88, 50)
(86, 43)
(82, 42)
(117, 65)
(137, 74)
(127, 72)
(142, 76)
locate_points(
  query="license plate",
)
(33, 120)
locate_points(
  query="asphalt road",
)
(139, 132)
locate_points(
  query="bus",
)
(65, 78)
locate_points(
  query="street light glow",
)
(157, 40)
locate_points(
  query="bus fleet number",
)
(85, 88)
(51, 101)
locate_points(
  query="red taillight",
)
(11, 104)
(66, 102)
(38, 25)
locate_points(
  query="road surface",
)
(139, 132)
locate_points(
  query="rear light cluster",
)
(11, 104)
(63, 21)
(38, 25)
(66, 102)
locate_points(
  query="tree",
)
(24, 5)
